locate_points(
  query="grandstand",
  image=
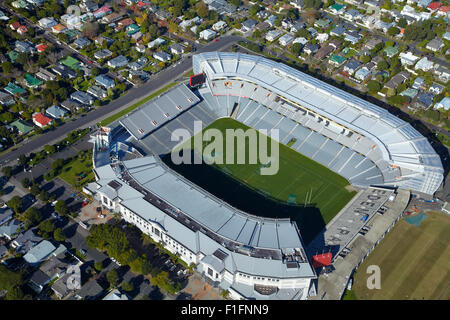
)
(250, 256)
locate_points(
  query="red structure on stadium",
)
(197, 80)
(322, 260)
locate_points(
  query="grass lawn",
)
(297, 176)
(414, 262)
(74, 169)
(120, 114)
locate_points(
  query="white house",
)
(286, 39)
(444, 104)
(219, 26)
(273, 34)
(207, 34)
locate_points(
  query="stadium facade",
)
(250, 256)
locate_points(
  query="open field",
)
(414, 262)
(280, 195)
(78, 172)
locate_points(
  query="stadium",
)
(320, 127)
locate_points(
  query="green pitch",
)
(299, 179)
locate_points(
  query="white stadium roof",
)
(400, 145)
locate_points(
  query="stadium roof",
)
(400, 144)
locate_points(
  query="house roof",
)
(41, 119)
(59, 27)
(434, 5)
(90, 290)
(32, 81)
(41, 47)
(39, 252)
(21, 126)
(337, 59)
(56, 112)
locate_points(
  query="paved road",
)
(133, 95)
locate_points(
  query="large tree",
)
(113, 277)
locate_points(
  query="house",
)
(14, 89)
(64, 71)
(71, 105)
(39, 253)
(336, 60)
(301, 40)
(337, 9)
(115, 294)
(287, 24)
(82, 42)
(156, 43)
(82, 97)
(443, 11)
(176, 48)
(6, 100)
(395, 81)
(105, 81)
(435, 45)
(286, 39)
(3, 251)
(271, 20)
(110, 18)
(322, 37)
(338, 31)
(436, 89)
(97, 92)
(311, 48)
(363, 74)
(40, 120)
(21, 126)
(22, 30)
(297, 26)
(38, 281)
(41, 47)
(434, 6)
(10, 229)
(407, 58)
(335, 43)
(353, 37)
(31, 81)
(118, 62)
(297, 4)
(56, 112)
(322, 23)
(443, 104)
(89, 5)
(90, 291)
(424, 100)
(162, 56)
(58, 28)
(424, 64)
(351, 66)
(273, 34)
(418, 83)
(219, 26)
(446, 36)
(140, 48)
(15, 25)
(324, 52)
(45, 75)
(132, 29)
(101, 39)
(352, 15)
(207, 34)
(60, 287)
(102, 54)
(24, 46)
(410, 92)
(101, 12)
(6, 214)
(442, 72)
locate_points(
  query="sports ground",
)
(414, 262)
(298, 180)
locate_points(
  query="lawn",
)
(413, 262)
(298, 177)
(78, 172)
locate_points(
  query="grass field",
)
(77, 167)
(297, 176)
(414, 262)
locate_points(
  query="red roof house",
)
(40, 120)
(444, 9)
(434, 6)
(15, 25)
(22, 30)
(41, 47)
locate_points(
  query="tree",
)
(373, 86)
(91, 29)
(46, 227)
(303, 33)
(127, 286)
(32, 217)
(59, 235)
(95, 71)
(7, 67)
(393, 31)
(26, 183)
(112, 277)
(15, 294)
(296, 48)
(7, 171)
(314, 4)
(254, 9)
(98, 266)
(35, 189)
(15, 203)
(61, 208)
(383, 65)
(402, 23)
(22, 160)
(49, 149)
(44, 196)
(365, 58)
(202, 9)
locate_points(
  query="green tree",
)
(127, 286)
(35, 189)
(393, 31)
(7, 67)
(402, 23)
(61, 208)
(59, 235)
(14, 293)
(46, 226)
(202, 9)
(8, 278)
(26, 183)
(7, 171)
(373, 86)
(15, 203)
(383, 65)
(32, 217)
(22, 160)
(98, 266)
(365, 58)
(49, 149)
(44, 196)
(296, 48)
(112, 277)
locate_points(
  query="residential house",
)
(156, 43)
(176, 48)
(56, 112)
(424, 100)
(336, 60)
(89, 291)
(395, 81)
(58, 28)
(410, 92)
(424, 64)
(338, 31)
(101, 12)
(301, 40)
(372, 43)
(434, 6)
(105, 81)
(442, 72)
(15, 25)
(322, 23)
(219, 26)
(101, 39)
(110, 18)
(40, 47)
(82, 97)
(337, 9)
(207, 34)
(45, 75)
(436, 89)
(322, 37)
(443, 11)
(286, 39)
(353, 37)
(435, 45)
(271, 20)
(6, 100)
(14, 89)
(446, 36)
(418, 83)
(443, 104)
(9, 230)
(38, 281)
(25, 241)
(272, 35)
(407, 58)
(102, 54)
(351, 66)
(118, 62)
(22, 30)
(60, 287)
(363, 74)
(64, 71)
(297, 26)
(31, 81)
(310, 48)
(6, 214)
(115, 294)
(324, 52)
(21, 126)
(40, 120)
(24, 46)
(71, 105)
(4, 251)
(82, 42)
(352, 14)
(162, 56)
(97, 92)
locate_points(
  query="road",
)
(132, 96)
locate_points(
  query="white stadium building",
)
(251, 257)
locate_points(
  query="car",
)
(172, 268)
(90, 62)
(54, 202)
(54, 215)
(217, 40)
